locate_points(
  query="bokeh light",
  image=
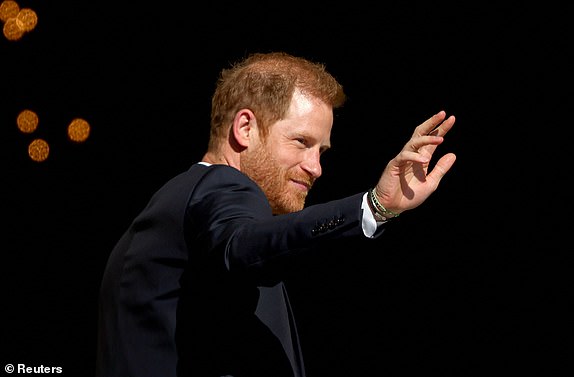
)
(26, 19)
(11, 30)
(27, 121)
(8, 9)
(78, 130)
(38, 150)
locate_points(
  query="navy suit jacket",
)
(194, 287)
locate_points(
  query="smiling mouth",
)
(306, 185)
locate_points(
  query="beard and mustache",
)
(283, 197)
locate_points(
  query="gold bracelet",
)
(378, 217)
(379, 208)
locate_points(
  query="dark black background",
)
(476, 281)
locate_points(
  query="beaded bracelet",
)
(379, 209)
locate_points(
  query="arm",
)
(230, 216)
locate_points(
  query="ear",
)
(244, 127)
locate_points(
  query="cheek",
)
(288, 159)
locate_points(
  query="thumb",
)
(442, 166)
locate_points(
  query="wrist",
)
(379, 211)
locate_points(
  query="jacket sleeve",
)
(229, 215)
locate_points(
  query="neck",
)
(222, 159)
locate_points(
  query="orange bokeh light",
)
(38, 150)
(78, 130)
(27, 121)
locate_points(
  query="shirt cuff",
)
(369, 223)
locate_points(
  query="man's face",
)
(286, 164)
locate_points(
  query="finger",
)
(442, 166)
(443, 127)
(429, 124)
(409, 156)
(415, 144)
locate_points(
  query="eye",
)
(301, 141)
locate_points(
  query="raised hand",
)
(406, 182)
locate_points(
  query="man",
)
(195, 285)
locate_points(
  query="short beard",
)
(262, 168)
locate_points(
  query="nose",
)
(312, 163)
